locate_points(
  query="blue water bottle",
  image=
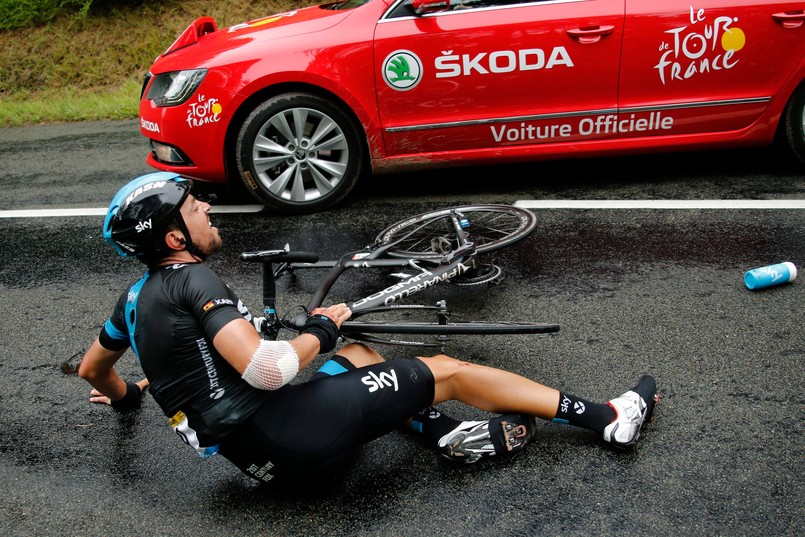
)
(763, 277)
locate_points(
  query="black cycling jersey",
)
(170, 318)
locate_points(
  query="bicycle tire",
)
(491, 227)
(452, 328)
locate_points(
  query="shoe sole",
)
(652, 403)
(650, 411)
(650, 406)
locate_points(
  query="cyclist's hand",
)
(337, 313)
(98, 397)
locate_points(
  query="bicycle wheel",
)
(430, 235)
(452, 328)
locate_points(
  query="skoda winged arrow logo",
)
(402, 70)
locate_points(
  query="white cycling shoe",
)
(632, 411)
(473, 440)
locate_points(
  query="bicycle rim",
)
(490, 227)
(453, 328)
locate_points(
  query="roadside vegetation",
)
(75, 60)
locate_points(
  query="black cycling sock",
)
(433, 423)
(582, 413)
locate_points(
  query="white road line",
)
(236, 209)
(526, 204)
(661, 204)
(101, 211)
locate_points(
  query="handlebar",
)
(279, 256)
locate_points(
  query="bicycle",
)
(440, 245)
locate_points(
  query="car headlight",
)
(171, 89)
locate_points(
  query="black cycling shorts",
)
(316, 427)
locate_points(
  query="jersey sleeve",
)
(114, 335)
(211, 300)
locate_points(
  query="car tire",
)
(794, 118)
(299, 153)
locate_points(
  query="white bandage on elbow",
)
(273, 365)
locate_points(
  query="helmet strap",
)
(191, 248)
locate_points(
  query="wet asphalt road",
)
(634, 290)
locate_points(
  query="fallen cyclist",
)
(227, 390)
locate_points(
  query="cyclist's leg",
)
(489, 389)
(360, 355)
(495, 390)
(508, 433)
(349, 357)
(446, 369)
(469, 441)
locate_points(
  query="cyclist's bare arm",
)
(97, 368)
(237, 340)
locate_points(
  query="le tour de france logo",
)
(402, 70)
(704, 45)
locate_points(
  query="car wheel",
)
(298, 153)
(795, 122)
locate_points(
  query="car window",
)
(405, 9)
(457, 5)
(349, 4)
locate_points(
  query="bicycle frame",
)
(458, 264)
(453, 263)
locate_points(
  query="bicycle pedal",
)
(441, 245)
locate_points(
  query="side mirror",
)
(422, 7)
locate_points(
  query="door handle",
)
(790, 19)
(590, 34)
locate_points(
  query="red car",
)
(298, 106)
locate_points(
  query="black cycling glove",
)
(131, 400)
(323, 328)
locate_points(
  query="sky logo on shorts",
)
(378, 382)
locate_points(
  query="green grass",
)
(70, 104)
(90, 66)
(27, 13)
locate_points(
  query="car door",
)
(708, 65)
(490, 73)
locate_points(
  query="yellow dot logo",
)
(217, 109)
(733, 39)
(267, 20)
